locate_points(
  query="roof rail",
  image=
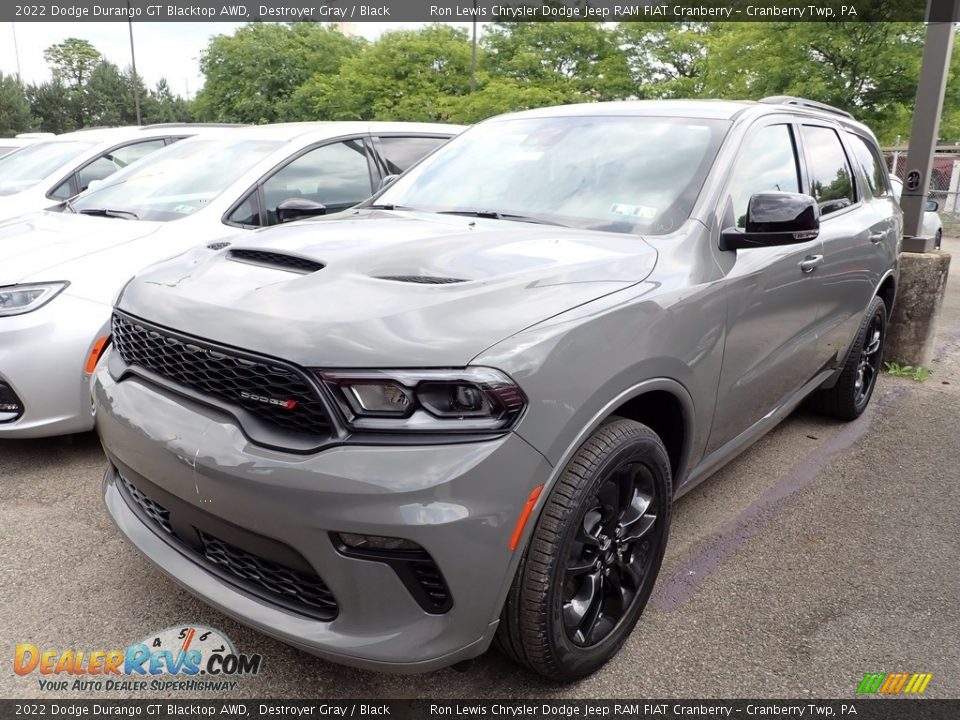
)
(803, 102)
(193, 124)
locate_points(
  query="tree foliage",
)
(252, 74)
(85, 90)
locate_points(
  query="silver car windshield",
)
(24, 168)
(178, 181)
(625, 174)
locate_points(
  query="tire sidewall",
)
(575, 660)
(877, 308)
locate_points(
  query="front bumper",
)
(459, 502)
(42, 358)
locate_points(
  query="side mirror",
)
(385, 181)
(775, 218)
(297, 208)
(92, 184)
(931, 206)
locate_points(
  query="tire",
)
(937, 239)
(850, 396)
(538, 625)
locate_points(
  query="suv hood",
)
(395, 289)
(39, 246)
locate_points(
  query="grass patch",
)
(908, 371)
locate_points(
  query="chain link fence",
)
(944, 181)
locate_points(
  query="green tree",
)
(108, 99)
(580, 60)
(51, 103)
(404, 75)
(251, 75)
(72, 61)
(497, 96)
(666, 60)
(15, 116)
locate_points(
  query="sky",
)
(164, 50)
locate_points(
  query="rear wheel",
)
(850, 396)
(938, 238)
(595, 553)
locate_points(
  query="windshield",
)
(24, 168)
(177, 181)
(624, 174)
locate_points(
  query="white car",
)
(48, 171)
(932, 224)
(61, 271)
(8, 145)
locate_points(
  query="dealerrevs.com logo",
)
(185, 658)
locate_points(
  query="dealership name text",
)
(546, 12)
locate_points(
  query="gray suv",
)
(459, 414)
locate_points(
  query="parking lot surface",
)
(824, 552)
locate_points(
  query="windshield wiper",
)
(107, 212)
(496, 215)
(386, 206)
(68, 204)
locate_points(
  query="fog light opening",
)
(378, 542)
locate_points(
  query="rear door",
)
(773, 301)
(857, 228)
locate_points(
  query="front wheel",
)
(850, 396)
(595, 553)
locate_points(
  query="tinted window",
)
(67, 189)
(768, 163)
(335, 175)
(627, 174)
(247, 212)
(107, 164)
(830, 178)
(873, 166)
(399, 153)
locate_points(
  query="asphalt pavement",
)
(826, 551)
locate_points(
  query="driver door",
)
(773, 306)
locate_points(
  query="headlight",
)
(472, 399)
(20, 299)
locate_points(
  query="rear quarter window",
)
(874, 168)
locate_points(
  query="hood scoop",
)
(421, 279)
(218, 245)
(278, 261)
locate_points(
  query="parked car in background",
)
(49, 171)
(461, 411)
(8, 145)
(932, 224)
(60, 271)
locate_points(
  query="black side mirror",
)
(296, 208)
(385, 181)
(931, 206)
(775, 218)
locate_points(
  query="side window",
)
(247, 212)
(66, 190)
(873, 166)
(399, 153)
(768, 163)
(335, 175)
(830, 178)
(107, 164)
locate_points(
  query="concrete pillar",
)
(913, 327)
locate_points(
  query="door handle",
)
(810, 262)
(877, 237)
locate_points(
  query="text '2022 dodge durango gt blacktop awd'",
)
(460, 412)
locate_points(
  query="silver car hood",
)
(42, 245)
(345, 315)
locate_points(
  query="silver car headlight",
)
(475, 399)
(20, 299)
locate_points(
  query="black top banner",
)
(482, 11)
(529, 709)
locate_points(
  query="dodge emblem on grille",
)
(285, 404)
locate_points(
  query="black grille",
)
(433, 584)
(10, 405)
(279, 261)
(276, 394)
(293, 589)
(422, 279)
(284, 583)
(155, 511)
